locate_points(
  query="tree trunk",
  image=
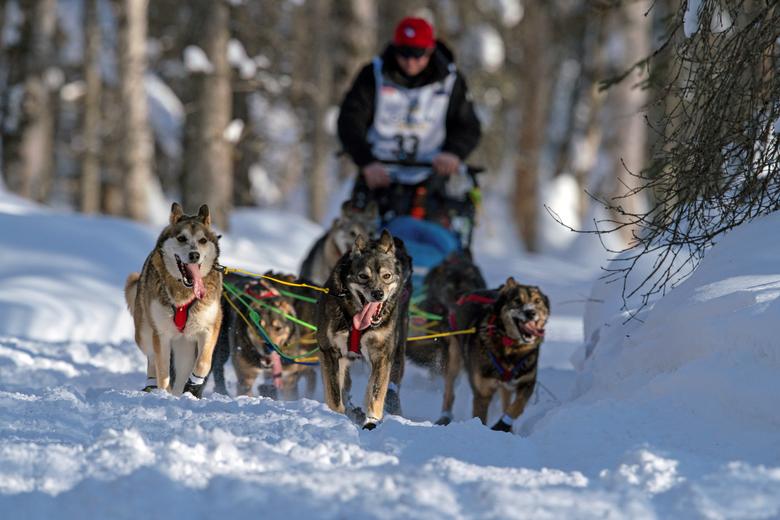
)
(322, 146)
(629, 140)
(358, 43)
(89, 196)
(137, 147)
(359, 38)
(536, 86)
(111, 197)
(28, 144)
(208, 163)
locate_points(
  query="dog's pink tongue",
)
(362, 319)
(197, 281)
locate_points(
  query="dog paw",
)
(501, 426)
(268, 391)
(221, 389)
(149, 388)
(393, 403)
(356, 414)
(444, 420)
(369, 425)
(195, 389)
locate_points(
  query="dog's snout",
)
(530, 314)
(377, 294)
(194, 257)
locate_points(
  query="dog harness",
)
(252, 290)
(181, 313)
(506, 374)
(353, 342)
(469, 298)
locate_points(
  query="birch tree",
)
(89, 192)
(28, 123)
(137, 143)
(208, 164)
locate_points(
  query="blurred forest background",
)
(110, 105)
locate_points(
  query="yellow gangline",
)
(283, 282)
(472, 330)
(227, 270)
(249, 324)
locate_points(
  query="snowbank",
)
(671, 417)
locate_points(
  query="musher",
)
(408, 124)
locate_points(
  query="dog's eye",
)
(363, 276)
(387, 276)
(181, 238)
(202, 241)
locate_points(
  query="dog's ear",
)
(359, 245)
(204, 215)
(347, 207)
(509, 285)
(386, 243)
(372, 209)
(176, 213)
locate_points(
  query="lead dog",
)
(365, 314)
(175, 303)
(504, 353)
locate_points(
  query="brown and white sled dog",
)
(175, 303)
(337, 240)
(504, 352)
(365, 314)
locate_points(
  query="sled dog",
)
(503, 354)
(175, 303)
(248, 350)
(337, 240)
(443, 286)
(365, 314)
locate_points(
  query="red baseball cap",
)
(414, 32)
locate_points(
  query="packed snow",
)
(673, 415)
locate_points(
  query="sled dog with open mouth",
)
(249, 351)
(175, 303)
(503, 354)
(365, 314)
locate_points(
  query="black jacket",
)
(357, 109)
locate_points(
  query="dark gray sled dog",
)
(365, 315)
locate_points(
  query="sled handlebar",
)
(466, 168)
(469, 169)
